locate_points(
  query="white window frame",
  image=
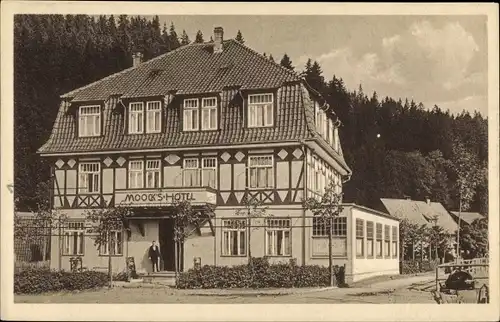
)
(387, 241)
(319, 227)
(360, 237)
(154, 171)
(206, 167)
(252, 113)
(188, 126)
(135, 176)
(394, 241)
(83, 177)
(74, 234)
(136, 124)
(196, 168)
(379, 245)
(209, 109)
(118, 245)
(250, 167)
(276, 229)
(88, 115)
(229, 228)
(370, 236)
(153, 111)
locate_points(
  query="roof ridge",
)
(76, 90)
(291, 72)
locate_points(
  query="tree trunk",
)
(249, 239)
(413, 249)
(458, 228)
(110, 270)
(176, 259)
(330, 252)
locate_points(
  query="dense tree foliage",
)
(414, 155)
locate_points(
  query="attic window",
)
(89, 121)
(260, 110)
(190, 122)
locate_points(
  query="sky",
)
(432, 59)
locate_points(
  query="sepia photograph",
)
(168, 157)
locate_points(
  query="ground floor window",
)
(113, 244)
(360, 237)
(320, 236)
(369, 238)
(234, 237)
(74, 238)
(394, 242)
(387, 241)
(278, 242)
(379, 240)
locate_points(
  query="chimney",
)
(218, 38)
(137, 58)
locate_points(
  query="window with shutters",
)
(261, 174)
(113, 244)
(153, 173)
(234, 237)
(89, 121)
(89, 177)
(153, 117)
(191, 110)
(135, 174)
(387, 241)
(278, 241)
(360, 237)
(74, 238)
(394, 242)
(369, 238)
(209, 172)
(260, 110)
(191, 172)
(136, 118)
(209, 113)
(379, 240)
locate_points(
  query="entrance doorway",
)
(167, 245)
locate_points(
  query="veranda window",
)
(261, 171)
(339, 232)
(89, 177)
(360, 237)
(394, 241)
(379, 240)
(89, 121)
(234, 237)
(369, 238)
(278, 242)
(387, 241)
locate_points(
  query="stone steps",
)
(163, 278)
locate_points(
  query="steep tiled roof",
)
(190, 69)
(420, 212)
(468, 217)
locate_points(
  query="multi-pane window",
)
(113, 244)
(379, 240)
(234, 237)
(330, 131)
(278, 242)
(260, 110)
(153, 117)
(89, 177)
(153, 173)
(369, 238)
(191, 114)
(261, 173)
(89, 121)
(387, 241)
(360, 237)
(394, 241)
(209, 113)
(74, 238)
(135, 174)
(209, 172)
(136, 118)
(320, 227)
(191, 173)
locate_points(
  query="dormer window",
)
(89, 121)
(136, 118)
(153, 117)
(209, 113)
(190, 122)
(260, 110)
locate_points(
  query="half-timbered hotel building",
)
(213, 123)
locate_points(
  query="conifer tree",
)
(286, 62)
(271, 58)
(174, 39)
(185, 38)
(239, 37)
(199, 37)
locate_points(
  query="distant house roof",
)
(420, 212)
(468, 217)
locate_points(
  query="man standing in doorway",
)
(154, 256)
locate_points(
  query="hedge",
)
(258, 274)
(40, 280)
(417, 266)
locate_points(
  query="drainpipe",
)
(304, 240)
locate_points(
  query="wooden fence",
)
(477, 268)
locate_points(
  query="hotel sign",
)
(164, 197)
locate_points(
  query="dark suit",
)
(154, 255)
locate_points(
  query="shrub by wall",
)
(417, 266)
(258, 274)
(40, 280)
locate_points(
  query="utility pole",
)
(458, 228)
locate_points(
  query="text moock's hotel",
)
(215, 124)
